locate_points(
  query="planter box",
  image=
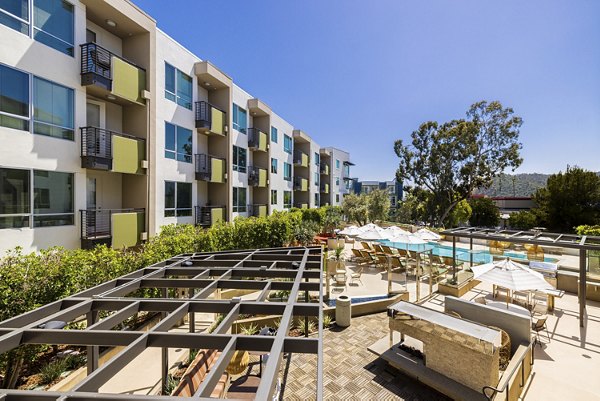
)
(457, 290)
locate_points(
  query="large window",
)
(273, 166)
(240, 119)
(14, 98)
(337, 181)
(239, 199)
(316, 200)
(287, 144)
(273, 134)
(178, 143)
(53, 109)
(15, 14)
(178, 199)
(287, 199)
(287, 171)
(317, 158)
(337, 163)
(178, 86)
(53, 21)
(273, 197)
(239, 159)
(317, 179)
(52, 199)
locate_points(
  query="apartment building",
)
(393, 188)
(121, 130)
(335, 176)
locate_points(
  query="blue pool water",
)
(358, 300)
(479, 256)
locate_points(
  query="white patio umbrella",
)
(375, 235)
(350, 231)
(428, 235)
(511, 275)
(397, 230)
(408, 239)
(369, 227)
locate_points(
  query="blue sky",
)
(360, 74)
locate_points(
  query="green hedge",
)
(28, 281)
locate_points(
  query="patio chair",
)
(366, 246)
(438, 272)
(481, 300)
(356, 275)
(340, 278)
(540, 325)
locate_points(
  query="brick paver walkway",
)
(351, 371)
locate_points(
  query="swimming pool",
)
(358, 300)
(479, 256)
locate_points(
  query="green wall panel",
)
(127, 155)
(218, 121)
(262, 177)
(216, 215)
(128, 80)
(217, 170)
(126, 229)
(262, 141)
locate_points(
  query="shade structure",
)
(428, 235)
(375, 235)
(351, 231)
(508, 274)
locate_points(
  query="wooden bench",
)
(196, 373)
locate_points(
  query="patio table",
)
(510, 307)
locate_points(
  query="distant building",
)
(511, 204)
(394, 188)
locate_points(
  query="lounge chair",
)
(540, 325)
(356, 275)
(382, 261)
(378, 249)
(398, 264)
(438, 272)
(388, 251)
(357, 256)
(368, 257)
(367, 247)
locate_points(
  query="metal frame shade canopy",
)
(200, 275)
(583, 243)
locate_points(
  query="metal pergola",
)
(200, 275)
(583, 243)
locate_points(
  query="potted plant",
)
(335, 261)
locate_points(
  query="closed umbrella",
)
(428, 235)
(511, 275)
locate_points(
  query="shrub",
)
(588, 230)
(523, 220)
(305, 232)
(52, 371)
(484, 212)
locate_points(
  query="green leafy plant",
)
(52, 370)
(327, 320)
(337, 254)
(304, 327)
(249, 329)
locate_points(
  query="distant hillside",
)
(515, 185)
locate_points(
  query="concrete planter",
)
(333, 265)
(457, 290)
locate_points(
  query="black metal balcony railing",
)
(324, 168)
(96, 66)
(203, 115)
(254, 210)
(253, 138)
(203, 215)
(96, 147)
(300, 158)
(254, 176)
(203, 167)
(96, 225)
(298, 184)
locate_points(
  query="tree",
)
(569, 199)
(332, 219)
(484, 212)
(523, 220)
(453, 159)
(356, 208)
(378, 205)
(460, 214)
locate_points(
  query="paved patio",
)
(350, 371)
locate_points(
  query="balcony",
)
(102, 149)
(300, 158)
(209, 168)
(108, 74)
(257, 140)
(210, 120)
(324, 188)
(257, 177)
(118, 228)
(207, 216)
(258, 210)
(300, 184)
(324, 169)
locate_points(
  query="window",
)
(178, 86)
(240, 121)
(178, 143)
(337, 181)
(178, 199)
(239, 199)
(53, 22)
(14, 98)
(337, 163)
(273, 166)
(52, 201)
(287, 199)
(273, 197)
(239, 159)
(316, 200)
(317, 158)
(337, 198)
(15, 14)
(273, 134)
(287, 171)
(287, 144)
(317, 179)
(53, 109)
